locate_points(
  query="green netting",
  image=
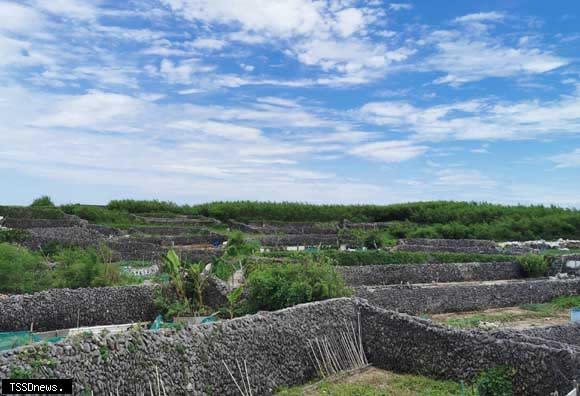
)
(15, 339)
(157, 323)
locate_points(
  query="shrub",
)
(21, 271)
(12, 236)
(381, 257)
(84, 268)
(566, 302)
(533, 265)
(143, 207)
(42, 202)
(98, 214)
(273, 287)
(497, 381)
(31, 213)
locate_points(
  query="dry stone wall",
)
(459, 297)
(568, 333)
(409, 344)
(190, 361)
(427, 273)
(447, 245)
(297, 228)
(66, 308)
(273, 345)
(304, 240)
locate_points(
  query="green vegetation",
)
(373, 382)
(558, 252)
(381, 257)
(100, 215)
(42, 202)
(273, 287)
(22, 271)
(149, 207)
(13, 235)
(183, 294)
(497, 381)
(423, 219)
(566, 302)
(440, 219)
(238, 251)
(31, 212)
(533, 265)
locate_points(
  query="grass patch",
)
(557, 307)
(374, 382)
(558, 252)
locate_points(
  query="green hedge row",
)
(31, 213)
(380, 257)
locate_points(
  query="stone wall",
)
(427, 273)
(461, 297)
(304, 240)
(190, 361)
(67, 308)
(179, 220)
(447, 245)
(66, 236)
(24, 223)
(272, 227)
(568, 333)
(209, 239)
(166, 230)
(403, 343)
(274, 347)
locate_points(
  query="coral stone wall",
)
(273, 346)
(447, 245)
(408, 344)
(426, 273)
(459, 297)
(67, 308)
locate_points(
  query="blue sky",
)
(321, 101)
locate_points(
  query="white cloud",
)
(278, 101)
(246, 67)
(209, 43)
(75, 9)
(400, 6)
(481, 17)
(322, 34)
(567, 160)
(20, 52)
(464, 58)
(277, 18)
(349, 21)
(17, 18)
(219, 129)
(183, 72)
(463, 177)
(95, 110)
(389, 151)
(480, 119)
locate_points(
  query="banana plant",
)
(172, 267)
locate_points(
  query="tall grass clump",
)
(272, 287)
(533, 265)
